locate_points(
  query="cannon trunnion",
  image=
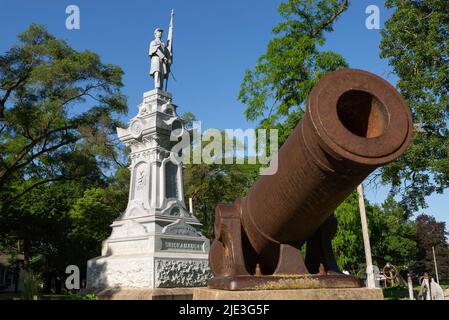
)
(354, 123)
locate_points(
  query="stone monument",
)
(156, 242)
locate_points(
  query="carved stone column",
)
(156, 242)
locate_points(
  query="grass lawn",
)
(400, 292)
(444, 285)
(10, 296)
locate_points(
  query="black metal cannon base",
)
(284, 282)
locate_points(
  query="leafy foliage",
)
(398, 235)
(43, 138)
(283, 77)
(210, 185)
(64, 223)
(58, 112)
(430, 233)
(77, 296)
(416, 44)
(392, 235)
(90, 218)
(30, 285)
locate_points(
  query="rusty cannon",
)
(354, 123)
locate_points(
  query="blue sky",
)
(214, 43)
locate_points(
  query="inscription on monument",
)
(180, 228)
(174, 244)
(128, 246)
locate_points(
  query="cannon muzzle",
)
(354, 123)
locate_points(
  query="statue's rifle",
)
(170, 44)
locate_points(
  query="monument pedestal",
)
(156, 242)
(145, 294)
(296, 294)
(143, 271)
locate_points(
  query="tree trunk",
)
(26, 254)
(47, 283)
(16, 278)
(58, 285)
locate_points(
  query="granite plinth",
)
(297, 294)
(145, 294)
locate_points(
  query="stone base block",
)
(297, 294)
(131, 271)
(147, 271)
(145, 294)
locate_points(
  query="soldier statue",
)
(161, 56)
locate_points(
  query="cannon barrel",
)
(354, 123)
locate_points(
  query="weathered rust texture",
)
(354, 123)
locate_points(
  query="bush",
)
(78, 296)
(91, 296)
(30, 284)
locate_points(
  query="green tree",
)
(416, 44)
(392, 235)
(91, 216)
(211, 184)
(399, 235)
(431, 233)
(58, 108)
(276, 89)
(40, 222)
(348, 242)
(63, 223)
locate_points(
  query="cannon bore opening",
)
(362, 114)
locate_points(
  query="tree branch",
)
(329, 21)
(7, 202)
(83, 93)
(27, 148)
(36, 155)
(8, 93)
(7, 171)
